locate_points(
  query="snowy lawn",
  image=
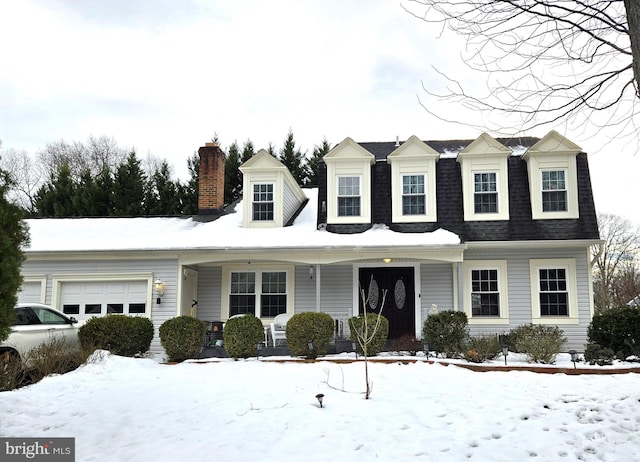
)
(122, 409)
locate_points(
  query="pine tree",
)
(162, 193)
(293, 159)
(129, 188)
(103, 195)
(232, 175)
(248, 151)
(319, 151)
(14, 235)
(56, 198)
(189, 191)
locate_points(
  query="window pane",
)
(485, 298)
(136, 308)
(348, 206)
(262, 202)
(272, 305)
(348, 186)
(413, 196)
(553, 292)
(115, 308)
(92, 308)
(71, 309)
(554, 191)
(242, 304)
(485, 197)
(274, 283)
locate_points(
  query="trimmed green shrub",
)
(120, 334)
(541, 343)
(241, 335)
(407, 343)
(482, 348)
(446, 332)
(309, 327)
(377, 338)
(182, 337)
(617, 329)
(595, 354)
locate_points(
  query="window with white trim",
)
(554, 291)
(413, 195)
(263, 293)
(485, 293)
(348, 196)
(263, 202)
(485, 288)
(554, 191)
(485, 192)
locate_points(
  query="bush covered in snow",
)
(241, 335)
(120, 334)
(309, 328)
(182, 337)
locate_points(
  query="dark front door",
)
(398, 285)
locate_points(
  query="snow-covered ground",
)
(123, 409)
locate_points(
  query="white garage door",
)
(84, 299)
(30, 292)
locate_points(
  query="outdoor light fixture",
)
(574, 357)
(386, 260)
(505, 352)
(259, 347)
(320, 397)
(425, 347)
(310, 272)
(158, 285)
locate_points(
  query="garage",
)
(31, 291)
(86, 299)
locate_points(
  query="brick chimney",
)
(211, 179)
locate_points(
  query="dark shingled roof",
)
(519, 227)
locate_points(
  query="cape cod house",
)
(498, 228)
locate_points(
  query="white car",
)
(37, 324)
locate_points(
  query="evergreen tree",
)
(189, 191)
(162, 193)
(129, 188)
(293, 159)
(319, 151)
(83, 199)
(103, 194)
(248, 152)
(271, 149)
(14, 235)
(232, 175)
(56, 198)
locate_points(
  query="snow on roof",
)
(227, 232)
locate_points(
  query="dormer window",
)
(485, 179)
(349, 196)
(485, 198)
(413, 195)
(263, 202)
(553, 178)
(554, 191)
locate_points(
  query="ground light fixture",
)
(259, 347)
(574, 357)
(505, 352)
(320, 397)
(425, 348)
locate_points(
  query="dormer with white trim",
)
(553, 178)
(485, 179)
(349, 183)
(413, 182)
(271, 194)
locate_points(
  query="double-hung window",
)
(485, 197)
(554, 294)
(263, 202)
(348, 196)
(242, 296)
(554, 191)
(413, 195)
(485, 292)
(262, 293)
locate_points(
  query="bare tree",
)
(365, 335)
(615, 261)
(545, 61)
(26, 178)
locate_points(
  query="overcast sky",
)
(164, 76)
